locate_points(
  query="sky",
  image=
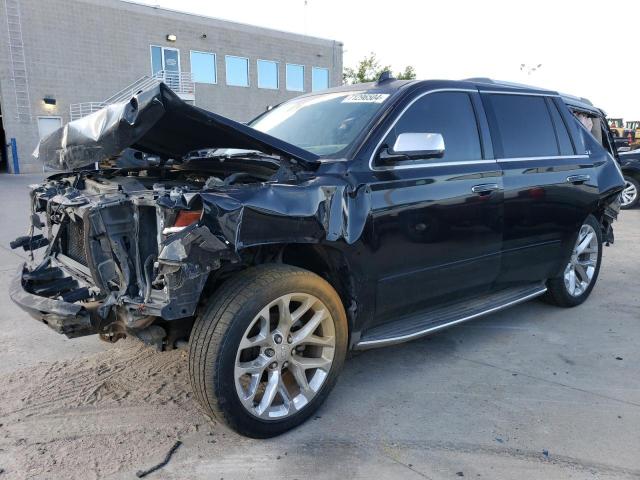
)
(584, 47)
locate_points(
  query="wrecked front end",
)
(129, 250)
(121, 252)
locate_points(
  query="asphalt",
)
(531, 392)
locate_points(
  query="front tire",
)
(267, 349)
(574, 284)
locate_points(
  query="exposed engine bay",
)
(116, 241)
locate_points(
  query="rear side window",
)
(524, 126)
(448, 113)
(564, 141)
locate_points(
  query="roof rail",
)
(504, 83)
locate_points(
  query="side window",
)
(524, 126)
(447, 113)
(564, 141)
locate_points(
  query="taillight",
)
(183, 220)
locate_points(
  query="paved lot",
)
(531, 392)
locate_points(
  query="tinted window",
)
(448, 113)
(295, 77)
(203, 67)
(564, 142)
(524, 126)
(237, 71)
(267, 74)
(319, 78)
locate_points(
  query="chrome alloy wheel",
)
(628, 194)
(580, 270)
(285, 356)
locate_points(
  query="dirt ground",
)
(532, 392)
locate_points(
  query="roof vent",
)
(385, 76)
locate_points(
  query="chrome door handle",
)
(485, 188)
(575, 179)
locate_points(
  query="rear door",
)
(437, 222)
(548, 185)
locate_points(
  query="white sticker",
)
(366, 98)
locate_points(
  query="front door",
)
(437, 223)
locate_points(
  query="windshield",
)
(322, 124)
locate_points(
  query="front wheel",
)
(630, 195)
(574, 285)
(267, 349)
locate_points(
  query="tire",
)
(631, 194)
(559, 289)
(239, 312)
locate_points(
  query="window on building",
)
(449, 114)
(165, 58)
(319, 79)
(48, 125)
(203, 67)
(267, 74)
(295, 77)
(524, 125)
(237, 71)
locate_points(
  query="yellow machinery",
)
(632, 130)
(616, 126)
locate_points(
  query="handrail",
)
(180, 82)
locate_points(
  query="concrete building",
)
(62, 59)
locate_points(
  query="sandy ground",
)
(532, 392)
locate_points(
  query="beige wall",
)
(86, 50)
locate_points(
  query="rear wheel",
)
(630, 195)
(267, 349)
(574, 285)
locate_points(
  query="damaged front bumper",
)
(108, 269)
(70, 319)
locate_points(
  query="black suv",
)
(348, 219)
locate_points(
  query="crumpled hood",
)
(158, 122)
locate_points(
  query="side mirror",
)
(413, 146)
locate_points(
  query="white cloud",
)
(586, 48)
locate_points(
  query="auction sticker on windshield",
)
(366, 98)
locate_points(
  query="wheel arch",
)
(327, 262)
(330, 264)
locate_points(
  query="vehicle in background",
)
(630, 165)
(621, 144)
(348, 219)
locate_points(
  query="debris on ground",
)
(545, 453)
(144, 473)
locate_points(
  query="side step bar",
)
(425, 323)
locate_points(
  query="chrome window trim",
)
(504, 92)
(423, 163)
(426, 162)
(550, 157)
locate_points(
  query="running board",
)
(416, 326)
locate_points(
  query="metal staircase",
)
(17, 61)
(180, 82)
